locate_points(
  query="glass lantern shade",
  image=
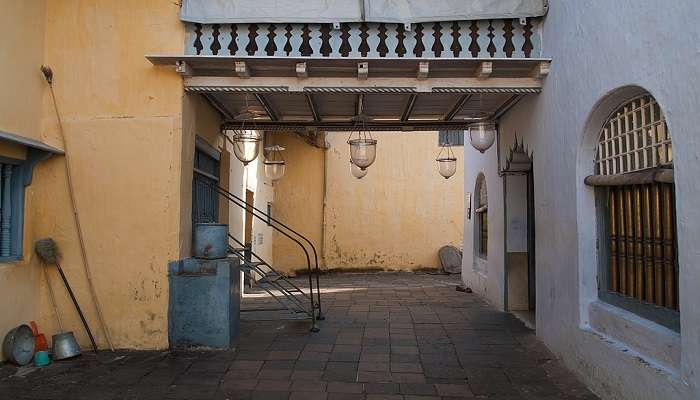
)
(363, 151)
(482, 135)
(356, 171)
(447, 166)
(275, 170)
(246, 146)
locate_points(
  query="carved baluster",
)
(527, 34)
(297, 40)
(325, 48)
(198, 46)
(437, 47)
(315, 40)
(305, 48)
(373, 40)
(474, 47)
(6, 217)
(288, 35)
(420, 47)
(491, 48)
(455, 47)
(336, 41)
(271, 47)
(400, 49)
(252, 46)
(215, 45)
(382, 48)
(280, 40)
(508, 48)
(364, 46)
(345, 47)
(207, 39)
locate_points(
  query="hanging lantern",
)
(482, 135)
(275, 166)
(245, 138)
(363, 149)
(356, 171)
(447, 162)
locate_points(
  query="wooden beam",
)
(301, 70)
(457, 107)
(312, 107)
(184, 69)
(409, 107)
(241, 69)
(541, 70)
(362, 70)
(507, 105)
(360, 105)
(266, 105)
(484, 70)
(225, 113)
(423, 70)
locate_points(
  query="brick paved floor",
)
(386, 336)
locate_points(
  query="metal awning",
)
(397, 94)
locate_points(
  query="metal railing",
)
(302, 241)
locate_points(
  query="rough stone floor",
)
(386, 336)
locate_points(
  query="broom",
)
(47, 250)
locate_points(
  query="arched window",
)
(636, 212)
(481, 225)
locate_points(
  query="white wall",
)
(596, 49)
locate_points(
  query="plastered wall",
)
(597, 49)
(400, 214)
(21, 90)
(123, 128)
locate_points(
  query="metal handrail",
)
(237, 201)
(302, 237)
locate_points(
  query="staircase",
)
(294, 302)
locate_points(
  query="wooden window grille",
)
(634, 138)
(639, 263)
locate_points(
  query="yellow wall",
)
(395, 218)
(122, 120)
(298, 200)
(21, 89)
(401, 213)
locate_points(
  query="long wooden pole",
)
(76, 218)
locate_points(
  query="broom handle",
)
(77, 307)
(53, 298)
(83, 252)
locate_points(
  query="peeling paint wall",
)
(123, 126)
(400, 214)
(21, 91)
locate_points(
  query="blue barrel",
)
(210, 241)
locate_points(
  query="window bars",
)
(634, 138)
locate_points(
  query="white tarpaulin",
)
(310, 11)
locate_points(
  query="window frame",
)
(481, 210)
(661, 315)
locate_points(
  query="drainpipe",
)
(326, 148)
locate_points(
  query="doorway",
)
(520, 265)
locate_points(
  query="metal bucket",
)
(64, 346)
(210, 241)
(18, 346)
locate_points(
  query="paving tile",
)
(345, 387)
